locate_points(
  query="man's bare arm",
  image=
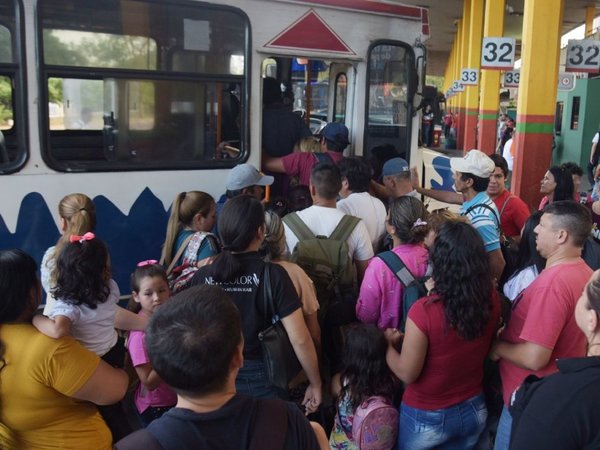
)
(443, 196)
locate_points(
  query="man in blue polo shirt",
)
(471, 176)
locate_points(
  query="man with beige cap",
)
(471, 175)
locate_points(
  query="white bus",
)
(126, 100)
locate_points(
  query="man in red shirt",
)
(334, 139)
(513, 211)
(542, 326)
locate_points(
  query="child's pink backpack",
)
(375, 424)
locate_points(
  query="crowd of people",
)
(388, 358)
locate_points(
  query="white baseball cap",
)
(475, 162)
(246, 175)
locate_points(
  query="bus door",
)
(391, 84)
(315, 89)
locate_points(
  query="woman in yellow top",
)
(47, 386)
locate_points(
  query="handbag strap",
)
(267, 294)
(180, 251)
(505, 203)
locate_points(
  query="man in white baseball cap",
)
(471, 175)
(243, 179)
(246, 179)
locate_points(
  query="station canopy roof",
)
(443, 15)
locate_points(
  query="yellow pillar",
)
(489, 102)
(473, 62)
(449, 74)
(537, 96)
(455, 57)
(590, 12)
(464, 55)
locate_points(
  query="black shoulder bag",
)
(281, 363)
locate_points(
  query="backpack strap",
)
(180, 251)
(398, 268)
(488, 207)
(298, 227)
(190, 256)
(324, 158)
(485, 206)
(344, 228)
(270, 425)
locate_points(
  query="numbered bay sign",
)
(583, 56)
(469, 77)
(457, 86)
(498, 53)
(511, 79)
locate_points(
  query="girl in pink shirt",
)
(380, 297)
(150, 289)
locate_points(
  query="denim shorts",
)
(252, 380)
(457, 427)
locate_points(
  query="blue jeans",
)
(252, 380)
(503, 433)
(457, 427)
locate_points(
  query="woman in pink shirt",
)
(380, 298)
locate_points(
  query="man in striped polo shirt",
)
(471, 175)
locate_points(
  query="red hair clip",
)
(86, 237)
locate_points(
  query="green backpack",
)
(325, 260)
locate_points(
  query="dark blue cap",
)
(394, 166)
(336, 133)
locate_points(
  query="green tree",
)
(6, 107)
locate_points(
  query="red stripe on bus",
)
(412, 12)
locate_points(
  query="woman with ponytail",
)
(380, 297)
(192, 217)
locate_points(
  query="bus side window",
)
(144, 96)
(12, 102)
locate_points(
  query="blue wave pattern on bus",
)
(35, 230)
(130, 238)
(133, 238)
(441, 164)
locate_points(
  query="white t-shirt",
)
(46, 269)
(506, 154)
(322, 221)
(93, 328)
(596, 138)
(370, 209)
(517, 284)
